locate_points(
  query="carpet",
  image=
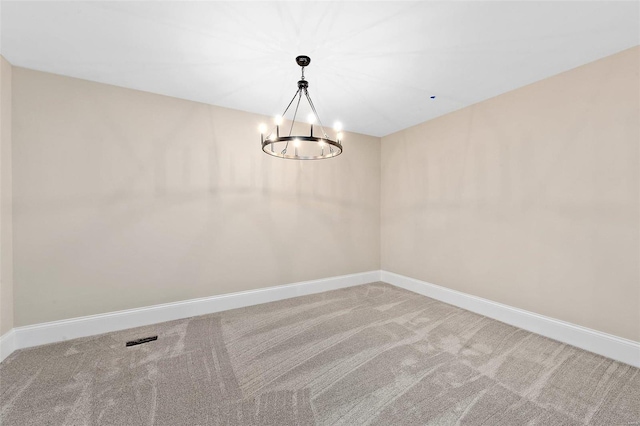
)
(372, 354)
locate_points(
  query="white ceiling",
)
(374, 64)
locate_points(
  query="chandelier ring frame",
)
(334, 148)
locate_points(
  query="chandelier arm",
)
(292, 99)
(285, 112)
(313, 108)
(299, 93)
(295, 112)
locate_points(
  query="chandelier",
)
(300, 147)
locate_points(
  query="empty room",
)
(297, 213)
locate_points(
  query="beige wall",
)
(529, 199)
(125, 199)
(6, 228)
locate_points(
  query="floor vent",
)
(141, 341)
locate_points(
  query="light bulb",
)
(339, 136)
(278, 120)
(337, 126)
(263, 128)
(296, 142)
(311, 118)
(321, 143)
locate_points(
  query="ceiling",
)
(375, 65)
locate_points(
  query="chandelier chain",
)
(292, 99)
(295, 112)
(313, 108)
(299, 93)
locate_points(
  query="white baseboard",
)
(7, 343)
(604, 344)
(57, 331)
(614, 347)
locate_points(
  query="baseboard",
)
(57, 331)
(613, 347)
(617, 348)
(7, 344)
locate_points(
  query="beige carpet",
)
(372, 354)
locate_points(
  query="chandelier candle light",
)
(301, 147)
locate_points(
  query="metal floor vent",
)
(141, 341)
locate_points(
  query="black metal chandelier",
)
(301, 147)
